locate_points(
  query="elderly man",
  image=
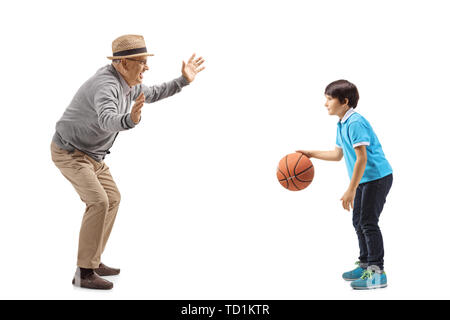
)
(87, 130)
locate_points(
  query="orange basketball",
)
(295, 171)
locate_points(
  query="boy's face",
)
(335, 107)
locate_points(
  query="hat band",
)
(130, 52)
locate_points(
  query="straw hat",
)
(128, 46)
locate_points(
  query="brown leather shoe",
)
(104, 271)
(92, 281)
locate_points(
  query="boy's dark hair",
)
(342, 89)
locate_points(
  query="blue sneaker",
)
(355, 274)
(372, 278)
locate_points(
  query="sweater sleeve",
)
(106, 102)
(158, 92)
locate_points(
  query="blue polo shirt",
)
(354, 130)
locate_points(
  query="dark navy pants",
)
(368, 204)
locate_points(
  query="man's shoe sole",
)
(101, 274)
(89, 287)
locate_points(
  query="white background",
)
(202, 214)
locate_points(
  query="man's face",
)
(135, 68)
(334, 106)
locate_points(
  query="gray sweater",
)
(100, 109)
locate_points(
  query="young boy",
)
(371, 179)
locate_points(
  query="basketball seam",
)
(287, 167)
(296, 175)
(304, 170)
(285, 178)
(295, 167)
(292, 180)
(302, 180)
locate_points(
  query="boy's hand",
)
(347, 199)
(305, 152)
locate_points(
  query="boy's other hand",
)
(305, 152)
(347, 199)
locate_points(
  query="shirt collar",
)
(347, 115)
(126, 88)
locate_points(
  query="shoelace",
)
(367, 274)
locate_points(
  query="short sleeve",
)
(359, 134)
(338, 138)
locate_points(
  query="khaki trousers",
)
(97, 189)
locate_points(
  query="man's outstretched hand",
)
(192, 67)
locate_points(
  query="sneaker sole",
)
(380, 286)
(347, 279)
